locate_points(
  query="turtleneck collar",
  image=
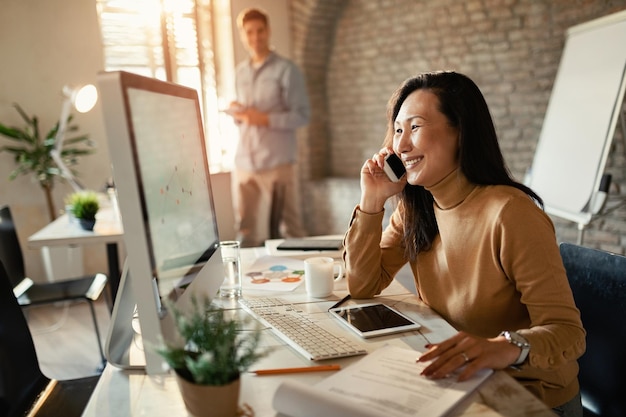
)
(452, 190)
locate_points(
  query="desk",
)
(108, 230)
(130, 394)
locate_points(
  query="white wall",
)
(222, 197)
(44, 46)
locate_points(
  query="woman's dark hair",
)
(480, 157)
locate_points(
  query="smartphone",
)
(393, 167)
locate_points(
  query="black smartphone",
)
(393, 167)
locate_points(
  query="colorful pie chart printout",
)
(273, 273)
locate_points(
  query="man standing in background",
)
(272, 102)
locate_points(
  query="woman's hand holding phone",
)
(376, 184)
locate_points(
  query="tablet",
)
(375, 319)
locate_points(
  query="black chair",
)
(29, 293)
(598, 281)
(24, 388)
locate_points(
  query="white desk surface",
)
(130, 394)
(63, 232)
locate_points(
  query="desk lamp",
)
(82, 98)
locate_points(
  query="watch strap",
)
(520, 341)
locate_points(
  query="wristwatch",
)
(518, 340)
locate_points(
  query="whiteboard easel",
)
(580, 120)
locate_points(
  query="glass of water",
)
(231, 287)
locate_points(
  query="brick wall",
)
(356, 52)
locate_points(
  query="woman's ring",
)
(465, 357)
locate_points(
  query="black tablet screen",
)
(373, 317)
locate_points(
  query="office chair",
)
(23, 387)
(29, 293)
(598, 281)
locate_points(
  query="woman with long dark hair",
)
(483, 252)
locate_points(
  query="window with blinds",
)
(170, 40)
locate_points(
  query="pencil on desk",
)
(319, 368)
(340, 302)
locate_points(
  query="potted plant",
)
(31, 152)
(85, 206)
(210, 357)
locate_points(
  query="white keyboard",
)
(302, 334)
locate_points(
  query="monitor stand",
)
(121, 333)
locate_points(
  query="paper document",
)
(273, 273)
(386, 382)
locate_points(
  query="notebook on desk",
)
(302, 248)
(305, 244)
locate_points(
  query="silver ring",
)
(465, 357)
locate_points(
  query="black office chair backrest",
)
(598, 281)
(10, 249)
(21, 379)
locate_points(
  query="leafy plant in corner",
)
(214, 349)
(31, 152)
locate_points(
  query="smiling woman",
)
(457, 225)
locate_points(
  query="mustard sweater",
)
(494, 266)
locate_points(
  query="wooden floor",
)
(65, 338)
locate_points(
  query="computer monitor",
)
(161, 175)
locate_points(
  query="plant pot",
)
(87, 224)
(210, 400)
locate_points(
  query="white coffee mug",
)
(319, 275)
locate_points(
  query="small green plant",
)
(31, 152)
(214, 349)
(84, 204)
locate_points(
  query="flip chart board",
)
(581, 117)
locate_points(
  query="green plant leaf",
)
(23, 114)
(85, 204)
(33, 156)
(11, 133)
(215, 349)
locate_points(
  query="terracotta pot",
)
(210, 400)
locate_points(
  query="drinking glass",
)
(231, 287)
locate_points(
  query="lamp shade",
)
(83, 98)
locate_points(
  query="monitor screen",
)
(161, 175)
(174, 183)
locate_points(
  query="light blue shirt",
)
(278, 88)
